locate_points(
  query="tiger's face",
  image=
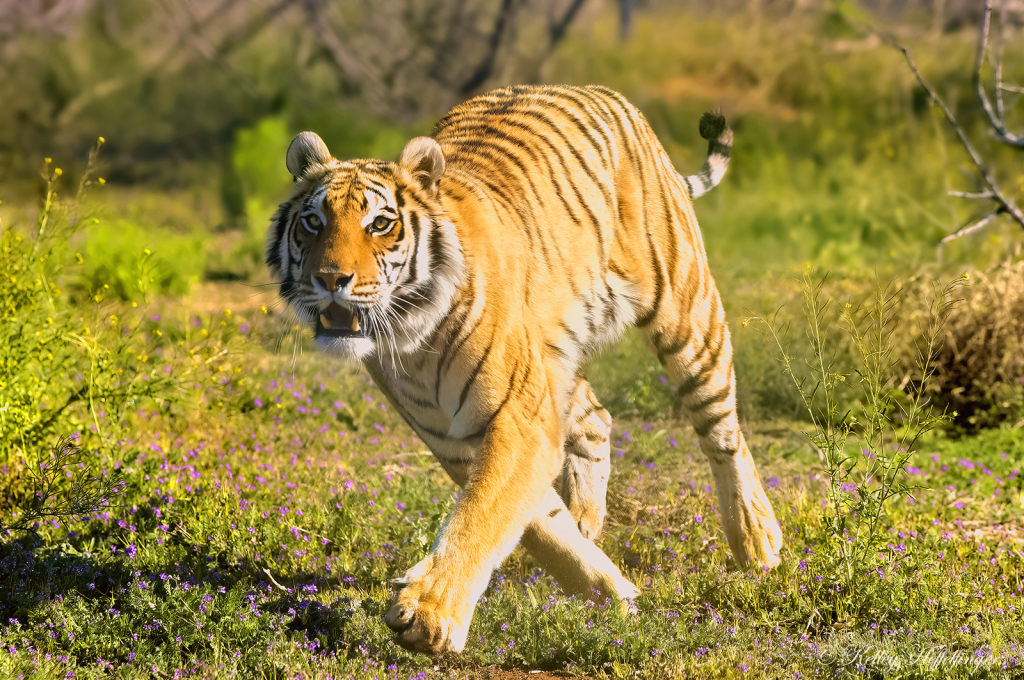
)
(362, 251)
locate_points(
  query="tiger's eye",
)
(380, 223)
(314, 221)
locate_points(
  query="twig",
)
(969, 194)
(271, 577)
(971, 227)
(556, 32)
(999, 61)
(1004, 204)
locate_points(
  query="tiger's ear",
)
(306, 149)
(422, 158)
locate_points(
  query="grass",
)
(259, 530)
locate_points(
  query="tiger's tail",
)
(714, 129)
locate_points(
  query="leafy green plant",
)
(864, 449)
(65, 365)
(62, 489)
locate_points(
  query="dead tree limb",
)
(1004, 204)
(996, 116)
(972, 227)
(231, 42)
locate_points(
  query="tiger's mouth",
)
(338, 321)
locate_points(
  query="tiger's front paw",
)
(429, 615)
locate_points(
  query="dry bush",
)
(979, 368)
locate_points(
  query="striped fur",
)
(482, 270)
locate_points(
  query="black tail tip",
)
(712, 125)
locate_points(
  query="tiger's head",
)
(362, 250)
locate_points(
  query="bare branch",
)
(995, 117)
(193, 34)
(999, 60)
(231, 42)
(972, 227)
(1005, 204)
(1011, 88)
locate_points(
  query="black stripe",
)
(568, 145)
(580, 126)
(585, 100)
(399, 237)
(586, 413)
(540, 401)
(659, 288)
(677, 346)
(414, 400)
(273, 254)
(461, 331)
(703, 376)
(571, 333)
(556, 151)
(414, 223)
(556, 350)
(717, 147)
(379, 193)
(529, 220)
(436, 248)
(508, 395)
(426, 430)
(718, 396)
(705, 427)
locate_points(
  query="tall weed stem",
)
(884, 423)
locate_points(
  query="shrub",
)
(134, 260)
(979, 373)
(66, 366)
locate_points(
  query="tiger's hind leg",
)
(693, 344)
(579, 566)
(583, 484)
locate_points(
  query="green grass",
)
(259, 531)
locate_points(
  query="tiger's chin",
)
(354, 348)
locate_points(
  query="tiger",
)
(473, 279)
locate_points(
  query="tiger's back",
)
(474, 277)
(567, 195)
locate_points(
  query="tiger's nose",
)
(333, 281)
